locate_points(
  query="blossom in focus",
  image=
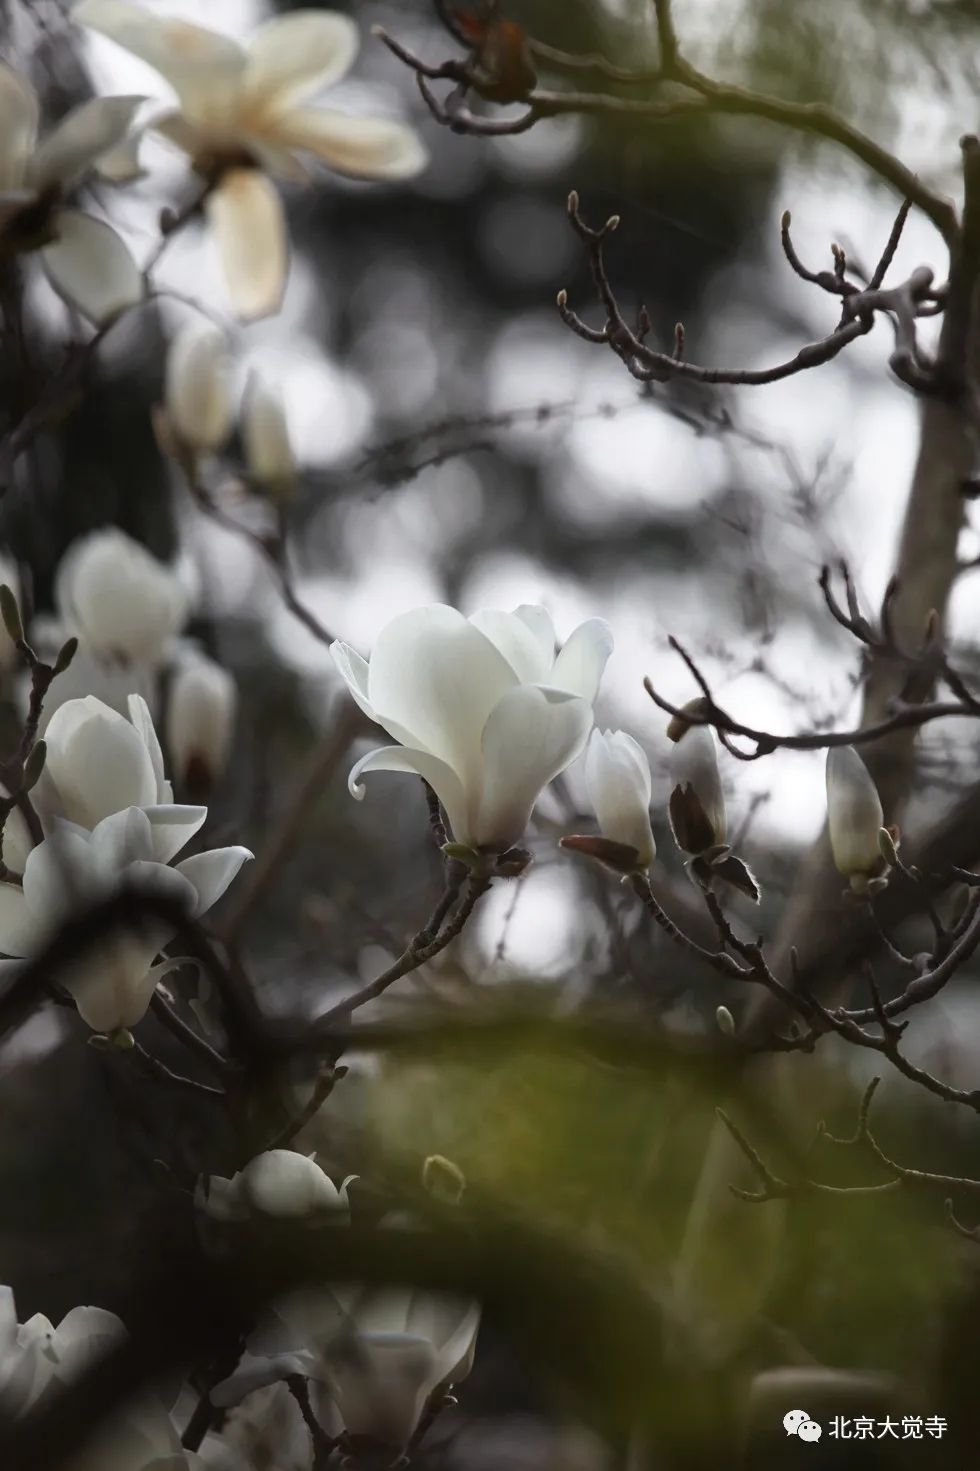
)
(84, 259)
(243, 121)
(121, 603)
(697, 803)
(278, 1183)
(197, 394)
(113, 982)
(854, 817)
(35, 1355)
(482, 708)
(201, 704)
(268, 451)
(617, 777)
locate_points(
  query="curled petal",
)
(91, 268)
(89, 131)
(295, 55)
(579, 666)
(246, 216)
(366, 148)
(440, 777)
(531, 735)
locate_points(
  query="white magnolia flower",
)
(35, 1356)
(241, 119)
(382, 1352)
(113, 983)
(697, 802)
(121, 603)
(201, 705)
(198, 395)
(483, 709)
(139, 1437)
(268, 451)
(84, 259)
(99, 763)
(854, 816)
(278, 1183)
(617, 776)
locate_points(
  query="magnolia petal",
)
(190, 57)
(60, 875)
(254, 1373)
(295, 55)
(366, 148)
(532, 734)
(197, 392)
(579, 667)
(18, 126)
(538, 620)
(246, 216)
(441, 777)
(381, 1390)
(19, 931)
(181, 132)
(80, 139)
(265, 432)
(211, 874)
(90, 267)
(617, 775)
(120, 840)
(121, 164)
(455, 1357)
(171, 828)
(142, 722)
(520, 645)
(434, 674)
(281, 1182)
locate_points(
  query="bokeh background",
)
(460, 445)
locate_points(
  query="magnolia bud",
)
(66, 653)
(725, 1021)
(10, 577)
(268, 452)
(33, 766)
(443, 1180)
(697, 802)
(200, 721)
(854, 817)
(617, 776)
(197, 393)
(10, 613)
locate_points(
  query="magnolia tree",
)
(354, 1300)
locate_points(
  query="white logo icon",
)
(798, 1423)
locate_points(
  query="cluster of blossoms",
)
(242, 121)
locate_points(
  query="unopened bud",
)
(678, 725)
(888, 846)
(122, 1038)
(33, 766)
(10, 612)
(197, 392)
(66, 653)
(268, 451)
(854, 817)
(443, 1180)
(725, 1021)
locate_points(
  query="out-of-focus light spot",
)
(526, 241)
(544, 149)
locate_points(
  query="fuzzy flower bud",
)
(854, 817)
(200, 721)
(617, 775)
(697, 802)
(268, 451)
(197, 393)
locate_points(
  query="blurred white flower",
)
(241, 119)
(483, 709)
(268, 451)
(278, 1183)
(854, 817)
(84, 259)
(118, 600)
(35, 1355)
(198, 395)
(201, 705)
(112, 983)
(139, 1437)
(697, 803)
(617, 776)
(382, 1352)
